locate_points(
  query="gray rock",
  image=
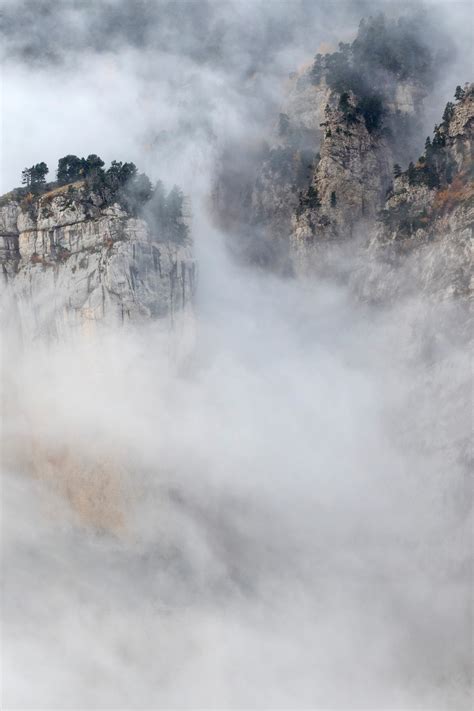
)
(70, 264)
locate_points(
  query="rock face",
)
(328, 170)
(68, 263)
(351, 177)
(400, 235)
(345, 120)
(289, 163)
(428, 217)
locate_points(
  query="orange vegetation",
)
(62, 189)
(94, 488)
(459, 191)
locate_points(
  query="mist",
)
(267, 506)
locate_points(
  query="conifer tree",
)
(448, 112)
(26, 177)
(39, 173)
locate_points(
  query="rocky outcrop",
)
(289, 164)
(346, 119)
(386, 236)
(351, 177)
(70, 262)
(459, 131)
(426, 226)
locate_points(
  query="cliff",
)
(345, 119)
(389, 235)
(71, 261)
(351, 176)
(426, 224)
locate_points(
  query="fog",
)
(273, 509)
(165, 83)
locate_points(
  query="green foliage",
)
(141, 188)
(39, 172)
(383, 51)
(70, 168)
(403, 220)
(176, 229)
(342, 77)
(333, 199)
(26, 177)
(381, 47)
(118, 174)
(350, 112)
(308, 201)
(435, 168)
(371, 108)
(397, 171)
(396, 47)
(448, 112)
(439, 140)
(459, 93)
(166, 214)
(120, 183)
(344, 104)
(35, 177)
(92, 164)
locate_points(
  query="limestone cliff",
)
(345, 120)
(427, 220)
(288, 164)
(410, 232)
(351, 177)
(71, 261)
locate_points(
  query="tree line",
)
(120, 182)
(384, 52)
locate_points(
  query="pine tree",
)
(157, 209)
(333, 199)
(26, 177)
(459, 93)
(312, 197)
(448, 112)
(93, 164)
(427, 145)
(438, 139)
(35, 176)
(39, 173)
(397, 171)
(411, 173)
(70, 168)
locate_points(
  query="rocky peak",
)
(330, 159)
(351, 177)
(459, 133)
(92, 260)
(413, 229)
